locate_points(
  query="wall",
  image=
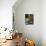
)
(6, 13)
(43, 22)
(29, 31)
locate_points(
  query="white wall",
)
(29, 31)
(43, 22)
(6, 13)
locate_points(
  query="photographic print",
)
(28, 19)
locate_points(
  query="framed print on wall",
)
(29, 19)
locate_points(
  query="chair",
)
(18, 37)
